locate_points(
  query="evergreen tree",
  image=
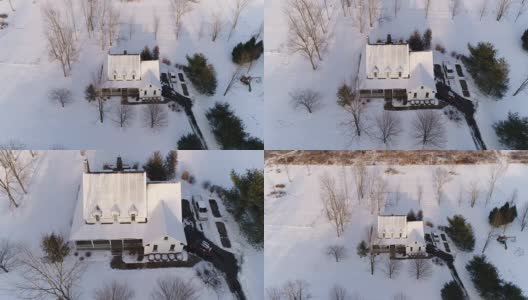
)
(415, 41)
(411, 216)
(510, 291)
(362, 249)
(513, 132)
(90, 93)
(524, 40)
(427, 37)
(55, 247)
(461, 233)
(503, 215)
(451, 291)
(201, 74)
(253, 143)
(190, 142)
(485, 277)
(155, 53)
(146, 54)
(489, 72)
(171, 161)
(419, 215)
(227, 128)
(155, 167)
(244, 53)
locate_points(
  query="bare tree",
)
(489, 236)
(523, 86)
(155, 116)
(155, 23)
(427, 7)
(41, 278)
(523, 216)
(6, 185)
(108, 23)
(522, 9)
(307, 29)
(123, 115)
(474, 192)
(90, 9)
(361, 179)
(419, 193)
(338, 293)
(62, 96)
(397, 7)
(236, 11)
(428, 129)
(440, 178)
(495, 172)
(307, 99)
(171, 287)
(374, 10)
(210, 277)
(180, 8)
(114, 291)
(355, 107)
(99, 100)
(420, 268)
(386, 128)
(11, 159)
(502, 9)
(392, 267)
(274, 293)
(8, 255)
(378, 194)
(11, 5)
(297, 290)
(454, 7)
(337, 207)
(217, 24)
(361, 14)
(401, 296)
(372, 256)
(483, 9)
(338, 252)
(60, 35)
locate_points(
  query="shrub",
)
(451, 291)
(513, 132)
(201, 74)
(362, 249)
(190, 142)
(55, 247)
(503, 215)
(191, 180)
(489, 72)
(453, 114)
(524, 40)
(440, 48)
(427, 38)
(461, 233)
(247, 52)
(166, 61)
(155, 53)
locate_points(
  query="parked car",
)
(203, 247)
(448, 68)
(200, 207)
(173, 78)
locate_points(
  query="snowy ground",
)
(287, 128)
(297, 231)
(50, 203)
(27, 75)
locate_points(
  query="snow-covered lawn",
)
(51, 199)
(287, 128)
(297, 231)
(27, 75)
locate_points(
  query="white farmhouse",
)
(395, 73)
(397, 235)
(120, 210)
(128, 75)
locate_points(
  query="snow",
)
(297, 231)
(27, 75)
(287, 128)
(55, 186)
(382, 58)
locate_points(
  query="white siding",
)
(163, 246)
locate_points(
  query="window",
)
(400, 235)
(133, 217)
(388, 74)
(415, 95)
(426, 95)
(172, 247)
(115, 218)
(145, 93)
(399, 74)
(375, 74)
(421, 87)
(154, 93)
(410, 249)
(134, 77)
(384, 235)
(155, 248)
(166, 238)
(97, 218)
(419, 249)
(115, 76)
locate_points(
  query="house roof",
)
(129, 64)
(392, 223)
(150, 72)
(114, 193)
(415, 231)
(422, 72)
(162, 208)
(387, 57)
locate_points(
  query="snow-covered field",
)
(287, 128)
(297, 231)
(27, 74)
(49, 205)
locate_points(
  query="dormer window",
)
(399, 74)
(133, 217)
(115, 218)
(375, 74)
(97, 218)
(96, 212)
